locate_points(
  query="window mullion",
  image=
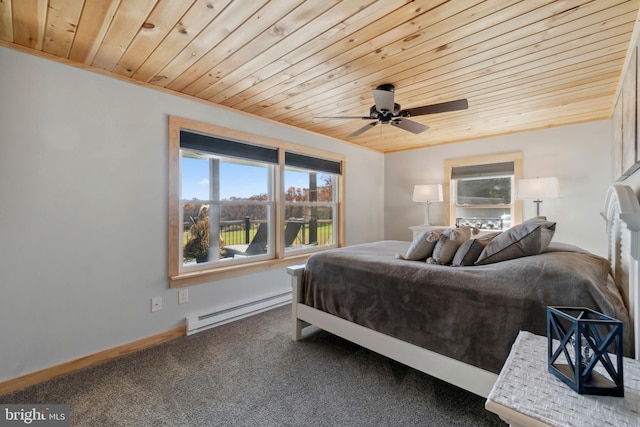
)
(214, 209)
(278, 197)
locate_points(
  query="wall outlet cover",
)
(183, 296)
(156, 303)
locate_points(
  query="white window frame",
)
(269, 205)
(333, 205)
(276, 257)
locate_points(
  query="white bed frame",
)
(622, 214)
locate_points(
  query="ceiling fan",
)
(386, 111)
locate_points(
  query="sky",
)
(236, 180)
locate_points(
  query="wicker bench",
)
(526, 394)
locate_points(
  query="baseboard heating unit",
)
(217, 318)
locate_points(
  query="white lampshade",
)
(538, 188)
(427, 193)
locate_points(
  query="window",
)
(241, 203)
(480, 191)
(310, 202)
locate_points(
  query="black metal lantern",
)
(586, 339)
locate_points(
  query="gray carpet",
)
(250, 373)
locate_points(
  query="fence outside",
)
(312, 231)
(238, 232)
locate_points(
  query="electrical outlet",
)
(183, 296)
(156, 303)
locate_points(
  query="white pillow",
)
(422, 246)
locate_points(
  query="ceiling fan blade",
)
(409, 125)
(344, 117)
(460, 104)
(384, 100)
(363, 129)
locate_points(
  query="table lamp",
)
(427, 194)
(538, 188)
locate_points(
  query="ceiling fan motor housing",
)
(384, 116)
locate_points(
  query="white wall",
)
(579, 155)
(83, 211)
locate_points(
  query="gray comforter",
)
(472, 314)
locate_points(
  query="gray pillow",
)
(448, 244)
(529, 238)
(422, 246)
(468, 253)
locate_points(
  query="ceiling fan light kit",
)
(387, 111)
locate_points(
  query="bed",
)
(458, 323)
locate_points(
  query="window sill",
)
(203, 276)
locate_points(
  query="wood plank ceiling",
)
(522, 65)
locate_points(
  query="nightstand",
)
(417, 229)
(527, 394)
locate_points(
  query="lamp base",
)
(537, 202)
(426, 215)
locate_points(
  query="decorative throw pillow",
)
(529, 238)
(468, 253)
(447, 245)
(465, 232)
(421, 247)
